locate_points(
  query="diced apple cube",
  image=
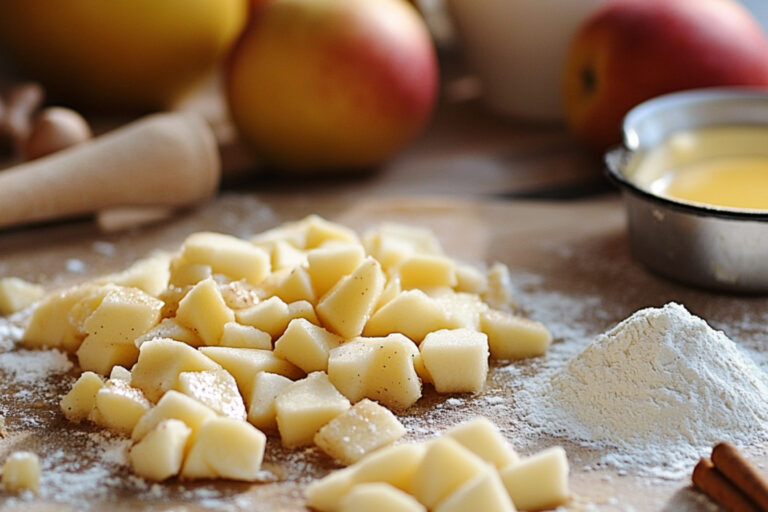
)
(269, 316)
(123, 315)
(395, 465)
(225, 448)
(348, 367)
(326, 494)
(16, 294)
(21, 471)
(81, 399)
(379, 497)
(461, 309)
(446, 466)
(426, 270)
(500, 292)
(228, 255)
(285, 255)
(481, 437)
(483, 492)
(346, 307)
(319, 231)
(97, 355)
(391, 243)
(470, 279)
(538, 482)
(457, 360)
(391, 290)
(160, 363)
(184, 273)
(391, 378)
(216, 389)
(514, 337)
(149, 275)
(293, 233)
(296, 285)
(306, 345)
(120, 373)
(412, 313)
(302, 309)
(245, 336)
(120, 406)
(204, 311)
(50, 326)
(328, 264)
(261, 410)
(170, 328)
(173, 405)
(159, 454)
(365, 427)
(304, 406)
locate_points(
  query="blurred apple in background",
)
(333, 84)
(120, 54)
(633, 50)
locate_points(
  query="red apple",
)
(332, 84)
(633, 50)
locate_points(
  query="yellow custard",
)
(733, 182)
(723, 166)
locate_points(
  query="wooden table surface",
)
(486, 186)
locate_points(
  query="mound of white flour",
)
(661, 388)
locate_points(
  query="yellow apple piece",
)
(173, 405)
(461, 309)
(319, 231)
(379, 497)
(216, 389)
(170, 328)
(347, 306)
(292, 233)
(183, 273)
(159, 454)
(500, 292)
(78, 403)
(283, 254)
(456, 359)
(261, 409)
(122, 315)
(391, 377)
(228, 255)
(119, 406)
(270, 316)
(391, 290)
(225, 448)
(204, 311)
(304, 406)
(149, 275)
(302, 309)
(21, 471)
(470, 279)
(295, 285)
(100, 357)
(245, 363)
(306, 345)
(395, 465)
(482, 437)
(245, 336)
(425, 271)
(361, 429)
(412, 313)
(16, 294)
(120, 373)
(445, 467)
(326, 265)
(514, 337)
(160, 363)
(326, 494)
(483, 492)
(538, 482)
(348, 367)
(391, 243)
(50, 326)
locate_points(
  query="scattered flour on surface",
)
(656, 392)
(33, 366)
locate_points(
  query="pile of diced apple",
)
(195, 354)
(469, 467)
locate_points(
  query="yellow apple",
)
(632, 50)
(332, 84)
(137, 54)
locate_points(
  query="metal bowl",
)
(713, 247)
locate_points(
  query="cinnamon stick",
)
(713, 483)
(741, 473)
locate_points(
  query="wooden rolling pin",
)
(168, 160)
